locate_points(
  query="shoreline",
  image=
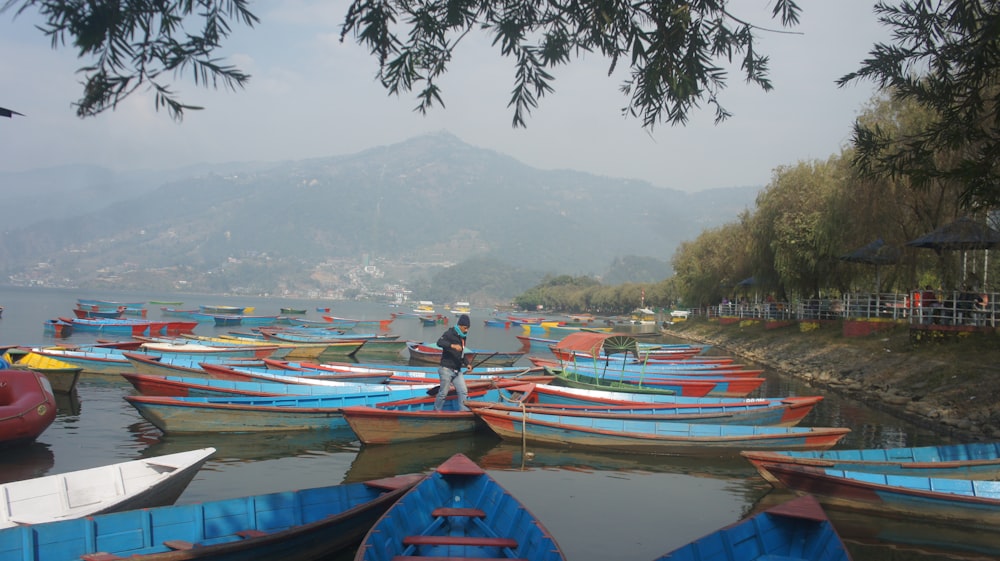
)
(951, 388)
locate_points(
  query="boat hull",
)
(797, 529)
(974, 503)
(458, 511)
(292, 526)
(654, 437)
(974, 460)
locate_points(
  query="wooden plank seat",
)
(469, 512)
(250, 534)
(449, 558)
(459, 540)
(178, 545)
(100, 556)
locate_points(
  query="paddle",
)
(436, 389)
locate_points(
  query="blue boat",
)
(458, 511)
(795, 530)
(291, 526)
(652, 436)
(975, 460)
(257, 414)
(183, 386)
(961, 502)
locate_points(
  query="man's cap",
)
(464, 320)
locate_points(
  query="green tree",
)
(946, 58)
(136, 43)
(710, 267)
(796, 239)
(674, 49)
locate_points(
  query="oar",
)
(480, 363)
(436, 389)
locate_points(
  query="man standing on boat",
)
(453, 361)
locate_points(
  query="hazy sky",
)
(312, 96)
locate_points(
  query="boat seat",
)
(178, 545)
(449, 558)
(459, 540)
(100, 556)
(250, 534)
(470, 512)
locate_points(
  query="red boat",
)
(27, 406)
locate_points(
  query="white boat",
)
(149, 482)
(459, 308)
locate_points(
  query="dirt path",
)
(951, 387)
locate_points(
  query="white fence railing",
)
(918, 307)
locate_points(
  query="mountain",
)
(406, 210)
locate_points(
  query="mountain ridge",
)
(431, 199)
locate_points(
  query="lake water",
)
(598, 506)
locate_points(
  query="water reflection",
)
(243, 447)
(375, 461)
(508, 455)
(26, 462)
(68, 404)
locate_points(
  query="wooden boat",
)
(187, 366)
(717, 414)
(257, 414)
(379, 348)
(292, 311)
(142, 483)
(27, 406)
(291, 351)
(304, 370)
(691, 387)
(617, 368)
(300, 525)
(653, 437)
(181, 386)
(797, 529)
(431, 354)
(88, 313)
(57, 328)
(227, 320)
(562, 395)
(92, 362)
(165, 303)
(193, 348)
(62, 376)
(111, 326)
(234, 310)
(196, 315)
(406, 420)
(350, 323)
(458, 512)
(291, 376)
(975, 460)
(430, 321)
(422, 370)
(967, 502)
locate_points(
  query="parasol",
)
(961, 235)
(875, 253)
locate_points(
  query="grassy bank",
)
(950, 386)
